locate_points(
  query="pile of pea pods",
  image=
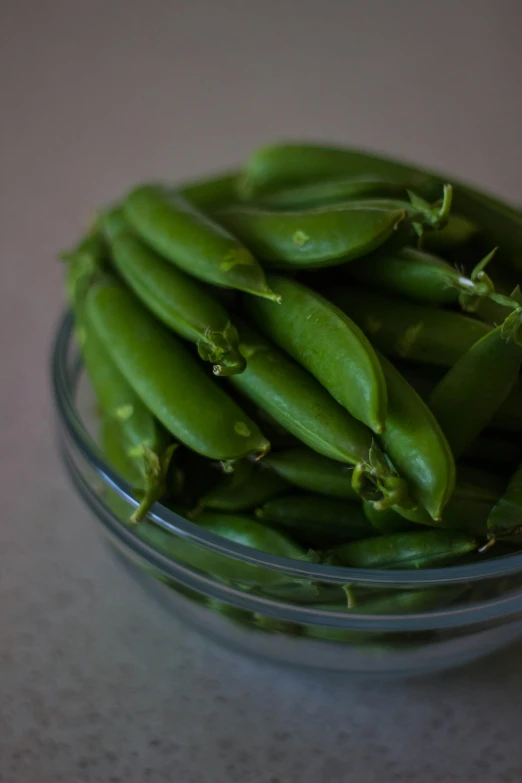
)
(317, 355)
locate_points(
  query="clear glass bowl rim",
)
(64, 383)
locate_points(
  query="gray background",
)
(96, 683)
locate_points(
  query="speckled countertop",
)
(96, 683)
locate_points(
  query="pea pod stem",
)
(477, 286)
(297, 401)
(156, 469)
(435, 216)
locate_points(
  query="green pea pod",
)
(396, 602)
(423, 549)
(240, 530)
(168, 380)
(418, 276)
(328, 344)
(282, 165)
(211, 192)
(192, 241)
(406, 330)
(246, 488)
(315, 238)
(388, 521)
(147, 443)
(473, 390)
(416, 444)
(277, 166)
(313, 472)
(316, 520)
(505, 518)
(301, 405)
(333, 191)
(179, 301)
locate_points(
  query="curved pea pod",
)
(211, 192)
(505, 518)
(423, 549)
(316, 520)
(179, 301)
(169, 381)
(313, 472)
(148, 445)
(240, 530)
(314, 238)
(300, 404)
(418, 276)
(406, 330)
(328, 344)
(338, 190)
(115, 395)
(192, 241)
(473, 390)
(281, 165)
(416, 444)
(248, 487)
(386, 522)
(277, 166)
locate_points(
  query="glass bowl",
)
(457, 613)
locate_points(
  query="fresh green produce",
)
(313, 472)
(485, 375)
(331, 235)
(423, 549)
(180, 302)
(423, 277)
(316, 342)
(406, 330)
(370, 412)
(300, 404)
(192, 241)
(169, 381)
